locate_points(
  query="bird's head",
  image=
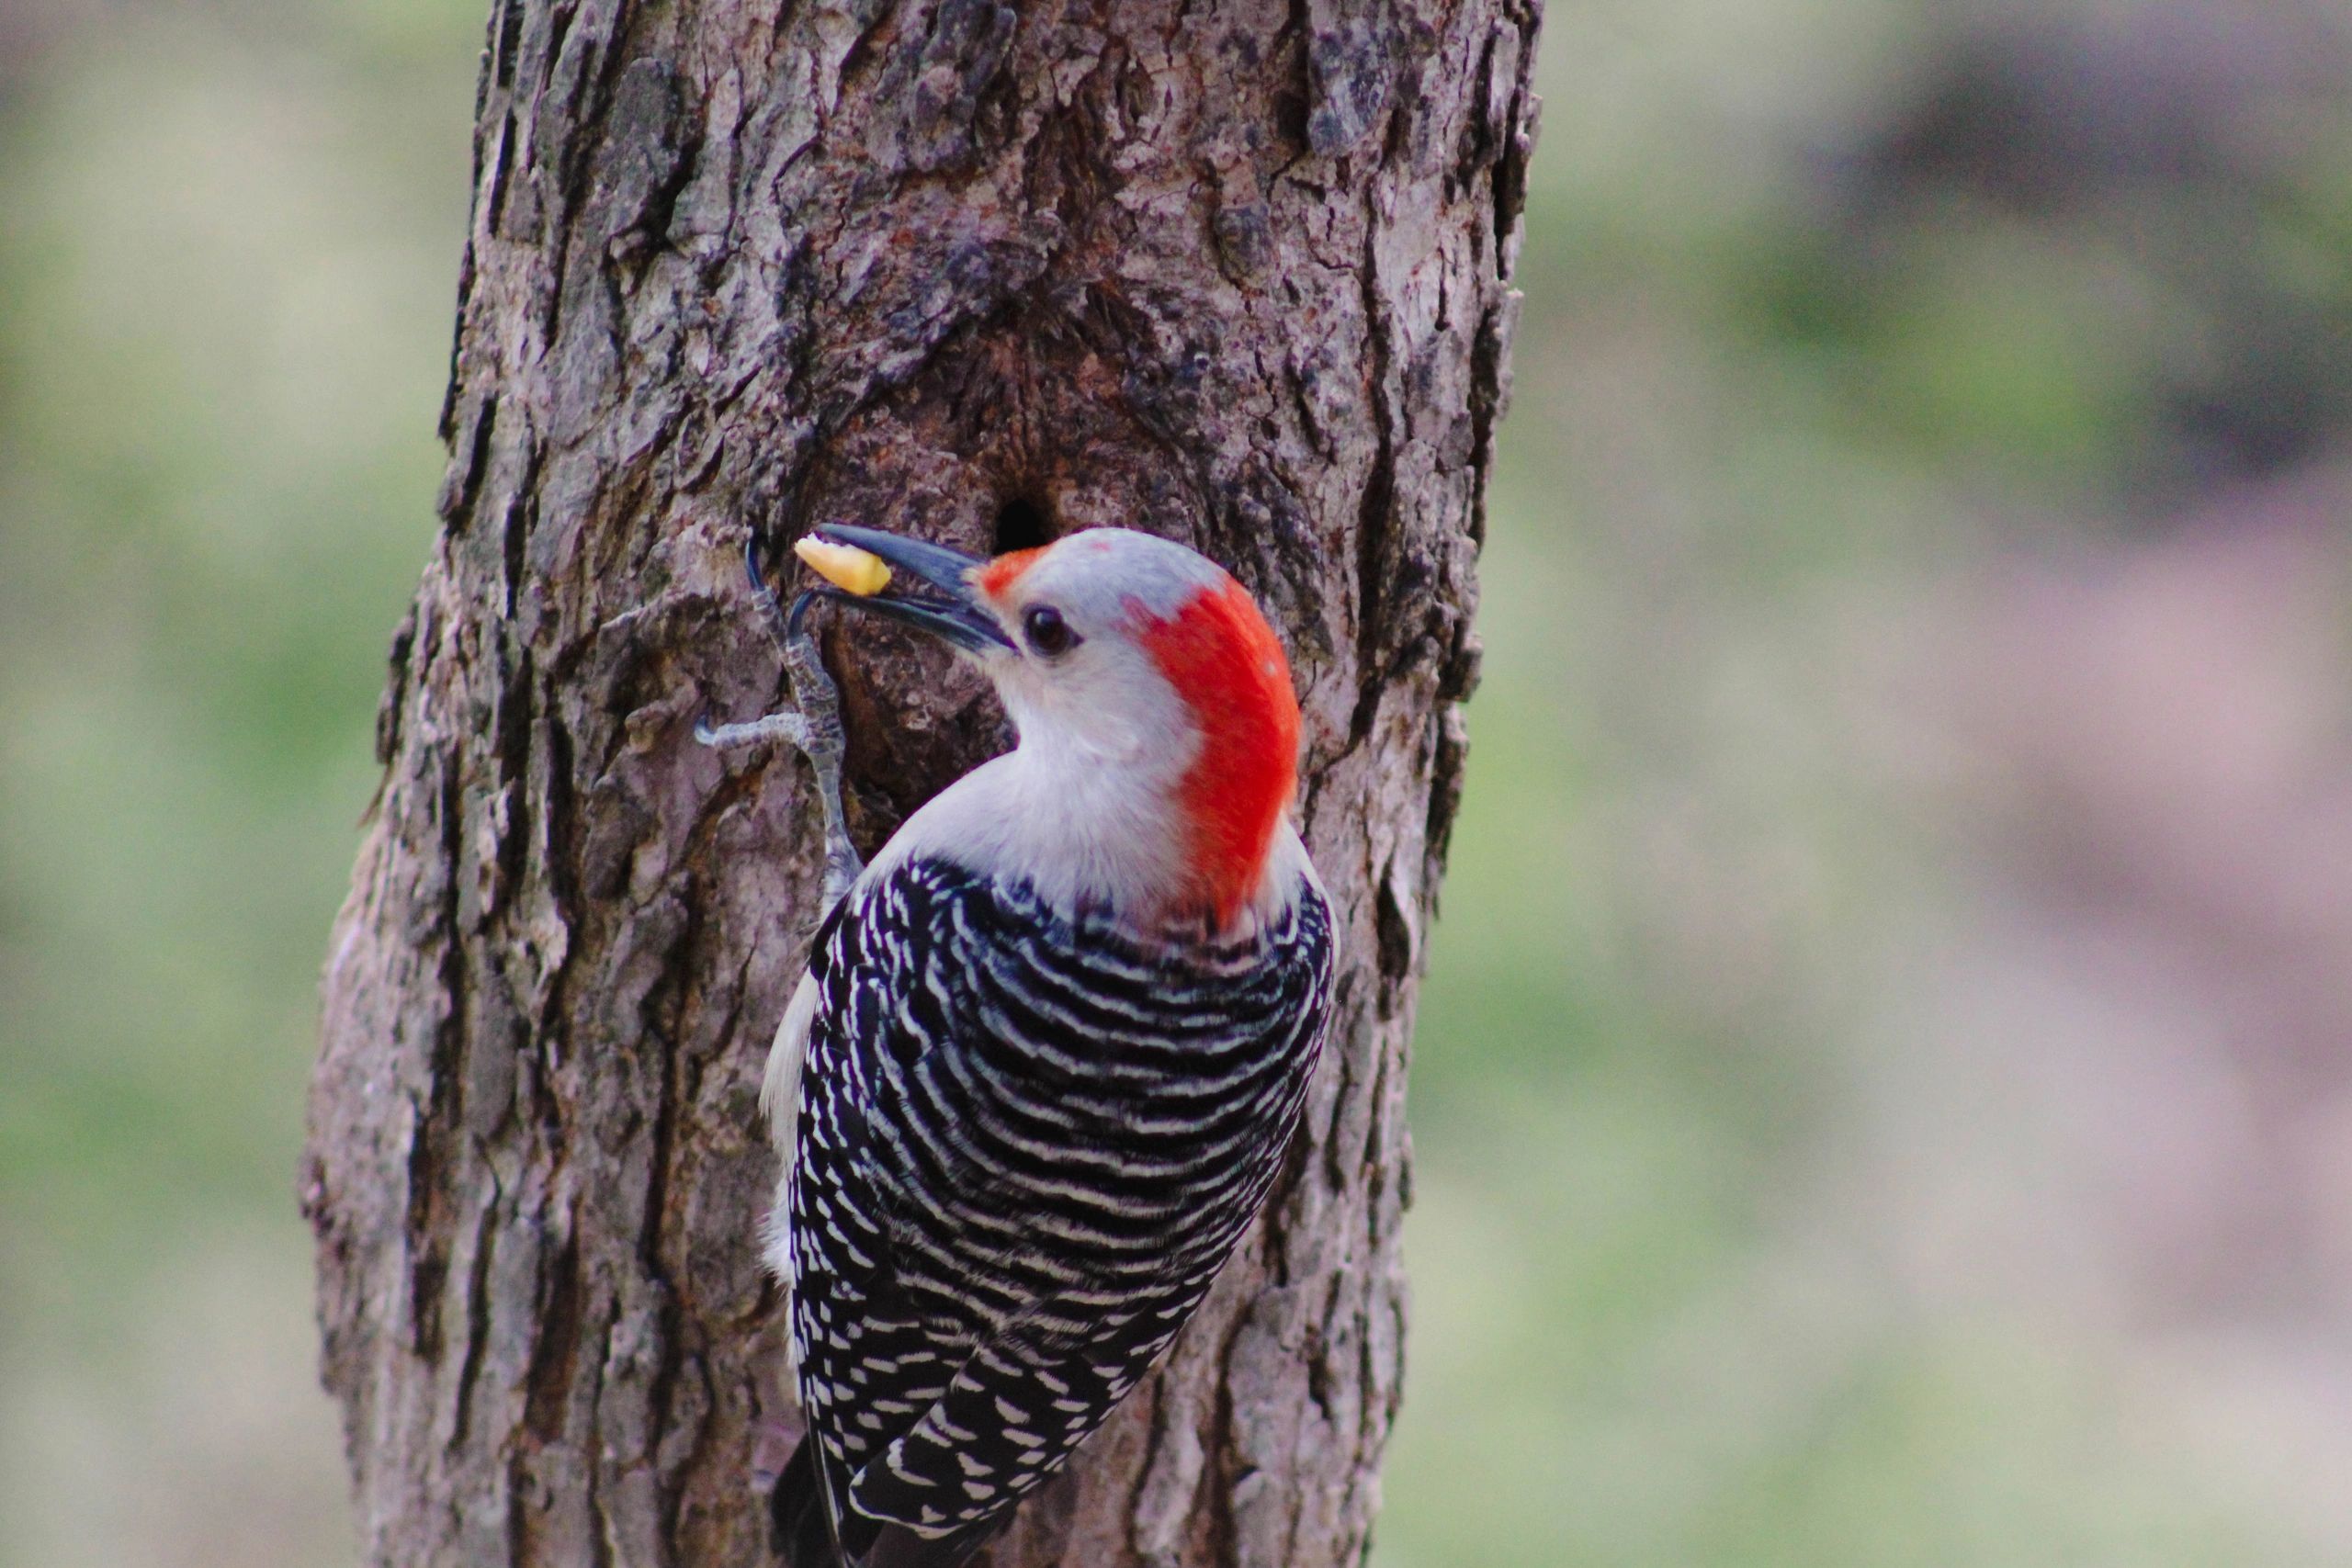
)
(1144, 683)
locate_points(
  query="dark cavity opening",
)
(1021, 525)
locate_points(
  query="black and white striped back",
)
(1025, 1145)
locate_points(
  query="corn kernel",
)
(846, 567)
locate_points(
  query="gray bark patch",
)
(1233, 274)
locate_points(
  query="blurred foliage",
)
(227, 240)
(1801, 1174)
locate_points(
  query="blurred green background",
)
(1884, 1091)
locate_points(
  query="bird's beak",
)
(930, 587)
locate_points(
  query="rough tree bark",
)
(1233, 272)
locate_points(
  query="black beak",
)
(930, 587)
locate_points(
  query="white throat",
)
(1085, 825)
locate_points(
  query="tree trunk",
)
(1237, 274)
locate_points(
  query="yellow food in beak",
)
(846, 567)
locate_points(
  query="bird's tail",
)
(798, 1531)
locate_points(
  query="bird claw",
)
(786, 726)
(814, 727)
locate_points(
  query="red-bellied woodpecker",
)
(1052, 1043)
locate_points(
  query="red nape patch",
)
(999, 576)
(1222, 658)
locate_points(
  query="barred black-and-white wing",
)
(1025, 1145)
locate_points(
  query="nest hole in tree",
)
(1022, 524)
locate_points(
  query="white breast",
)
(780, 1098)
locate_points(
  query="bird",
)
(1052, 1044)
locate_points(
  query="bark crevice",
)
(1233, 273)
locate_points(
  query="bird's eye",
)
(1046, 631)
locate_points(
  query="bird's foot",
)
(788, 726)
(814, 729)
